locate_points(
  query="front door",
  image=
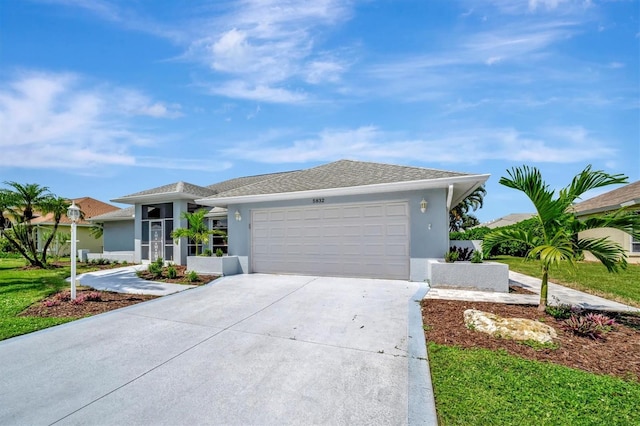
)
(156, 241)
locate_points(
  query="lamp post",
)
(73, 213)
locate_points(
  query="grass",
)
(590, 277)
(482, 387)
(20, 288)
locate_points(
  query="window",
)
(217, 241)
(635, 245)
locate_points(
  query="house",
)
(89, 207)
(510, 219)
(626, 197)
(346, 218)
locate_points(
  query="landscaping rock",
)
(509, 328)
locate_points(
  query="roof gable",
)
(177, 190)
(625, 196)
(90, 207)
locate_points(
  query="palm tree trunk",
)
(544, 289)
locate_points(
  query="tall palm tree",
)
(459, 214)
(560, 226)
(58, 206)
(197, 230)
(24, 201)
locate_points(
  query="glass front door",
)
(156, 240)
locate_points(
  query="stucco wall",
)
(119, 236)
(614, 235)
(429, 231)
(84, 238)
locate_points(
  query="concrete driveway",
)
(246, 349)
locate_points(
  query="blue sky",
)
(106, 98)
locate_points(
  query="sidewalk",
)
(556, 291)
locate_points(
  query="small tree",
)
(559, 225)
(197, 230)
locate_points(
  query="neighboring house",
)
(346, 218)
(117, 234)
(510, 219)
(90, 207)
(626, 197)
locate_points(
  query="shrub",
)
(50, 303)
(590, 325)
(79, 300)
(451, 256)
(464, 254)
(94, 296)
(192, 276)
(63, 296)
(219, 253)
(207, 252)
(172, 272)
(155, 270)
(476, 257)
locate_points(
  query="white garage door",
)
(352, 240)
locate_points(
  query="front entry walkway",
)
(246, 349)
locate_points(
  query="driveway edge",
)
(422, 405)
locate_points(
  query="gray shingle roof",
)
(175, 188)
(234, 183)
(611, 200)
(121, 214)
(339, 174)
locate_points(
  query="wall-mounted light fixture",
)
(423, 205)
(238, 217)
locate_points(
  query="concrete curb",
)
(421, 404)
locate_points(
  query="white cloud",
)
(61, 121)
(240, 89)
(475, 145)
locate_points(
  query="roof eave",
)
(154, 198)
(475, 180)
(613, 207)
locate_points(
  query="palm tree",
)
(58, 206)
(197, 230)
(459, 215)
(560, 226)
(22, 202)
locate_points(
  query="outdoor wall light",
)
(423, 205)
(238, 217)
(73, 213)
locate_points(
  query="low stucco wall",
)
(120, 256)
(225, 265)
(487, 276)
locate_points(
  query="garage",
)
(351, 240)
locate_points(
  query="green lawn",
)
(19, 288)
(482, 387)
(589, 277)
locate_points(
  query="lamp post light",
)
(73, 213)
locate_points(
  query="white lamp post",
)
(73, 213)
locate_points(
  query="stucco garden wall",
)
(487, 276)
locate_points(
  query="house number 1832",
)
(318, 200)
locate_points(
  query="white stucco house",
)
(345, 218)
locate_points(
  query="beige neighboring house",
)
(626, 197)
(90, 207)
(510, 219)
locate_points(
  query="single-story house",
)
(626, 197)
(508, 220)
(346, 218)
(90, 207)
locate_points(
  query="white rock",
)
(509, 328)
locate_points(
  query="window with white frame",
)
(635, 245)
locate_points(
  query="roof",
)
(90, 207)
(507, 220)
(174, 191)
(127, 213)
(625, 196)
(357, 176)
(235, 183)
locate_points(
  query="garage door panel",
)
(370, 240)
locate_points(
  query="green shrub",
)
(561, 310)
(219, 252)
(155, 269)
(451, 256)
(207, 252)
(172, 272)
(476, 257)
(192, 276)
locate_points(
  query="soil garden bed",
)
(617, 354)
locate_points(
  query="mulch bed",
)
(618, 354)
(181, 276)
(109, 301)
